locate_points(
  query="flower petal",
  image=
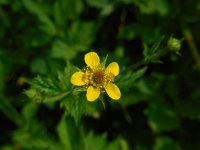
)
(113, 91)
(92, 93)
(113, 68)
(92, 59)
(77, 79)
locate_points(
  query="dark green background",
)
(158, 111)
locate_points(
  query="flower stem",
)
(102, 100)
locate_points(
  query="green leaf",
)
(116, 145)
(147, 33)
(46, 24)
(153, 52)
(39, 95)
(189, 107)
(29, 111)
(106, 6)
(94, 142)
(67, 134)
(165, 143)
(65, 77)
(81, 35)
(4, 2)
(9, 110)
(38, 65)
(7, 147)
(63, 51)
(100, 142)
(125, 81)
(45, 84)
(129, 98)
(162, 118)
(153, 6)
(46, 89)
(75, 104)
(34, 136)
(65, 10)
(98, 4)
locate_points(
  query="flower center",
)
(98, 78)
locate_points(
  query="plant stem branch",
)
(56, 98)
(191, 44)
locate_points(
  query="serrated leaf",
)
(95, 142)
(125, 81)
(75, 104)
(64, 77)
(149, 52)
(46, 89)
(44, 84)
(100, 142)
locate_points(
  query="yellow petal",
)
(92, 93)
(113, 68)
(92, 59)
(113, 91)
(77, 78)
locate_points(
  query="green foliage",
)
(99, 142)
(44, 42)
(158, 115)
(66, 134)
(165, 143)
(7, 108)
(124, 81)
(76, 105)
(45, 23)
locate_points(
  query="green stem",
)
(9, 110)
(191, 44)
(146, 61)
(102, 100)
(127, 116)
(57, 98)
(136, 65)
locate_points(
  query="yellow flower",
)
(96, 78)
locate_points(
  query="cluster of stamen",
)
(97, 78)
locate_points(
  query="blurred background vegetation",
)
(160, 104)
